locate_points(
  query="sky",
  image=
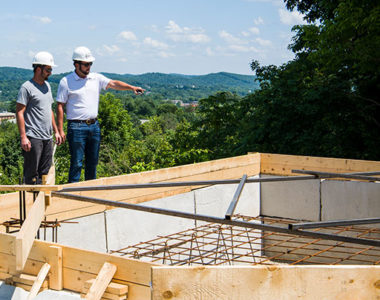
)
(192, 37)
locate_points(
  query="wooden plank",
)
(49, 179)
(74, 280)
(107, 296)
(260, 282)
(39, 281)
(278, 164)
(8, 265)
(55, 261)
(25, 237)
(29, 188)
(7, 243)
(28, 280)
(112, 288)
(101, 282)
(28, 287)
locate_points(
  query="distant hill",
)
(160, 85)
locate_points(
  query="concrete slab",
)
(88, 233)
(128, 227)
(350, 200)
(291, 199)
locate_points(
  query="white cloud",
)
(111, 49)
(264, 43)
(165, 54)
(258, 21)
(290, 17)
(231, 39)
(254, 30)
(172, 27)
(44, 20)
(241, 48)
(186, 34)
(155, 44)
(128, 35)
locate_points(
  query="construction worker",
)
(35, 120)
(79, 91)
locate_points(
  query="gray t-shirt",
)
(38, 100)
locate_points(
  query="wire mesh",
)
(215, 244)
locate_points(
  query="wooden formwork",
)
(71, 268)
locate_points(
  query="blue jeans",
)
(84, 141)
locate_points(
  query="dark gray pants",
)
(38, 160)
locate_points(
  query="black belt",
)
(88, 121)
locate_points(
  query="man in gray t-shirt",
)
(35, 120)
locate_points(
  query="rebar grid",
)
(215, 244)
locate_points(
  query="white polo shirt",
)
(81, 95)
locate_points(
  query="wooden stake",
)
(101, 282)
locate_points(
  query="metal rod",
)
(337, 175)
(235, 199)
(218, 220)
(184, 183)
(333, 223)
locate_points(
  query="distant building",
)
(7, 116)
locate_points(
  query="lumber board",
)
(25, 237)
(107, 296)
(74, 280)
(91, 262)
(28, 287)
(259, 282)
(87, 261)
(279, 164)
(101, 282)
(49, 179)
(5, 276)
(7, 243)
(8, 265)
(28, 280)
(55, 260)
(39, 281)
(112, 288)
(29, 188)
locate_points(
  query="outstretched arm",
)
(122, 86)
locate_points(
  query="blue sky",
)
(168, 36)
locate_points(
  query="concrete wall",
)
(291, 199)
(119, 228)
(320, 200)
(350, 200)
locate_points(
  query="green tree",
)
(218, 123)
(325, 102)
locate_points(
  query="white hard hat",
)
(44, 58)
(83, 54)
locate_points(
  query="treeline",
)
(159, 86)
(325, 102)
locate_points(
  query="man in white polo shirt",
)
(79, 91)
